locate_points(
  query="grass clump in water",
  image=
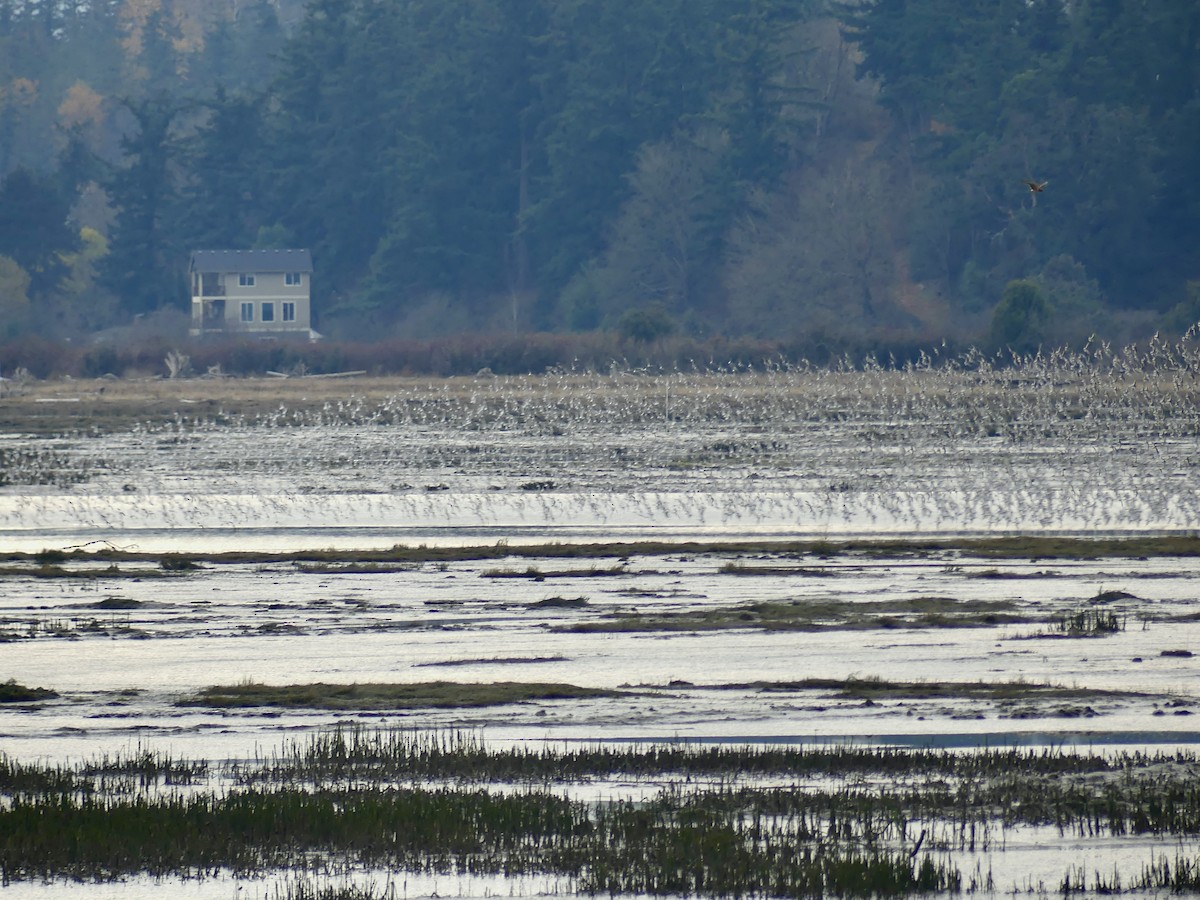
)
(12, 692)
(301, 888)
(1085, 623)
(1091, 623)
(176, 562)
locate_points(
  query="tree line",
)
(848, 172)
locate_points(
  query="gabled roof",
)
(251, 261)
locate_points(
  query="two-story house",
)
(257, 293)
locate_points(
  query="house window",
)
(246, 280)
(289, 311)
(268, 312)
(247, 312)
(292, 278)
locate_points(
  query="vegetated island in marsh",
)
(884, 689)
(712, 821)
(113, 571)
(1031, 547)
(368, 697)
(859, 615)
(1006, 699)
(1010, 699)
(816, 615)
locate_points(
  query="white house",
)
(258, 293)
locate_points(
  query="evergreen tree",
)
(461, 164)
(752, 94)
(260, 39)
(222, 201)
(240, 55)
(34, 229)
(619, 74)
(143, 267)
(315, 157)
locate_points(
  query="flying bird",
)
(1035, 187)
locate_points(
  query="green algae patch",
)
(383, 697)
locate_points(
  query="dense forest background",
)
(793, 170)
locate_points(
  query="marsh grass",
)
(145, 767)
(816, 615)
(69, 628)
(50, 571)
(1092, 623)
(356, 751)
(121, 774)
(1179, 876)
(875, 822)
(1033, 547)
(734, 568)
(874, 688)
(303, 888)
(422, 695)
(355, 568)
(703, 844)
(537, 574)
(1084, 623)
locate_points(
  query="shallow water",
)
(677, 461)
(122, 651)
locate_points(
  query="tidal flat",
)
(842, 588)
(676, 644)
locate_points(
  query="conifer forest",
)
(995, 173)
